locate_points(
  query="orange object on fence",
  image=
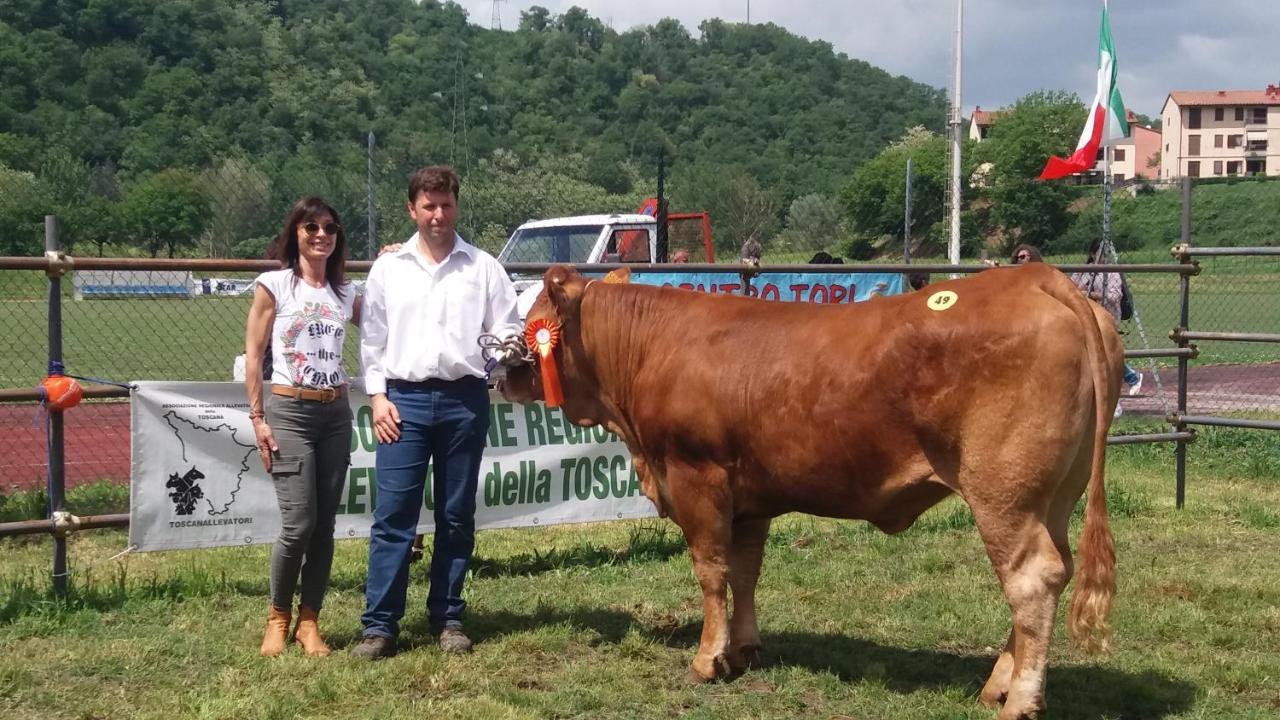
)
(61, 392)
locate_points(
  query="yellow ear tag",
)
(942, 300)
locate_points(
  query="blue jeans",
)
(1130, 375)
(444, 424)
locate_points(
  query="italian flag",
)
(1106, 119)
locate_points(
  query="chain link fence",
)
(198, 337)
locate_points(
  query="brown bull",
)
(998, 388)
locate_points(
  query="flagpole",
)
(1106, 251)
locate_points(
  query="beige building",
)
(1220, 132)
(1134, 156)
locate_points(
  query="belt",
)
(436, 383)
(324, 395)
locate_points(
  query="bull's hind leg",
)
(1033, 564)
(744, 570)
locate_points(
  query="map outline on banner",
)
(171, 416)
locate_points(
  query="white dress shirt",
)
(422, 320)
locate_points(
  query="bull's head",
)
(560, 304)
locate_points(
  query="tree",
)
(240, 206)
(1023, 208)
(875, 199)
(23, 205)
(166, 210)
(813, 223)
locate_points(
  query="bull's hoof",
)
(992, 697)
(1025, 711)
(705, 670)
(744, 658)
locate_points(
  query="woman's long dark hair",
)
(286, 245)
(1031, 250)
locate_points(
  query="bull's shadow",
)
(1074, 691)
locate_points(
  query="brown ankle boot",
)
(307, 633)
(277, 633)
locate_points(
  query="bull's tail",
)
(1096, 554)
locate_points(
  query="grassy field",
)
(197, 339)
(600, 621)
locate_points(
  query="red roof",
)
(1269, 96)
(984, 118)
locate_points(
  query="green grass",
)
(600, 621)
(102, 497)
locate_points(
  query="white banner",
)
(197, 480)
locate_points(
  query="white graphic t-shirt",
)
(310, 326)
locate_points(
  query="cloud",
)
(1011, 47)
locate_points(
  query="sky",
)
(1011, 47)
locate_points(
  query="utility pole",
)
(955, 122)
(906, 220)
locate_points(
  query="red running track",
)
(97, 445)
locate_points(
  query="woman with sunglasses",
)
(303, 426)
(1024, 254)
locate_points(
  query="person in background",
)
(426, 305)
(917, 280)
(680, 256)
(751, 251)
(1106, 289)
(1025, 253)
(303, 428)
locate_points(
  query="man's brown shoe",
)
(374, 647)
(453, 640)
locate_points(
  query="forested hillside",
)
(99, 98)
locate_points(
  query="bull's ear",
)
(564, 287)
(618, 275)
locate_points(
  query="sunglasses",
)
(313, 228)
(1022, 256)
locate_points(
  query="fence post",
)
(660, 212)
(57, 466)
(1184, 314)
(371, 249)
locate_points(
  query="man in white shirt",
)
(425, 306)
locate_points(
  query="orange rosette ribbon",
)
(543, 335)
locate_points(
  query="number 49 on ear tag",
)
(942, 300)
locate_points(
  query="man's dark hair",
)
(434, 178)
(917, 280)
(822, 257)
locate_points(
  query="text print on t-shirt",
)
(313, 344)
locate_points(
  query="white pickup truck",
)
(627, 238)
